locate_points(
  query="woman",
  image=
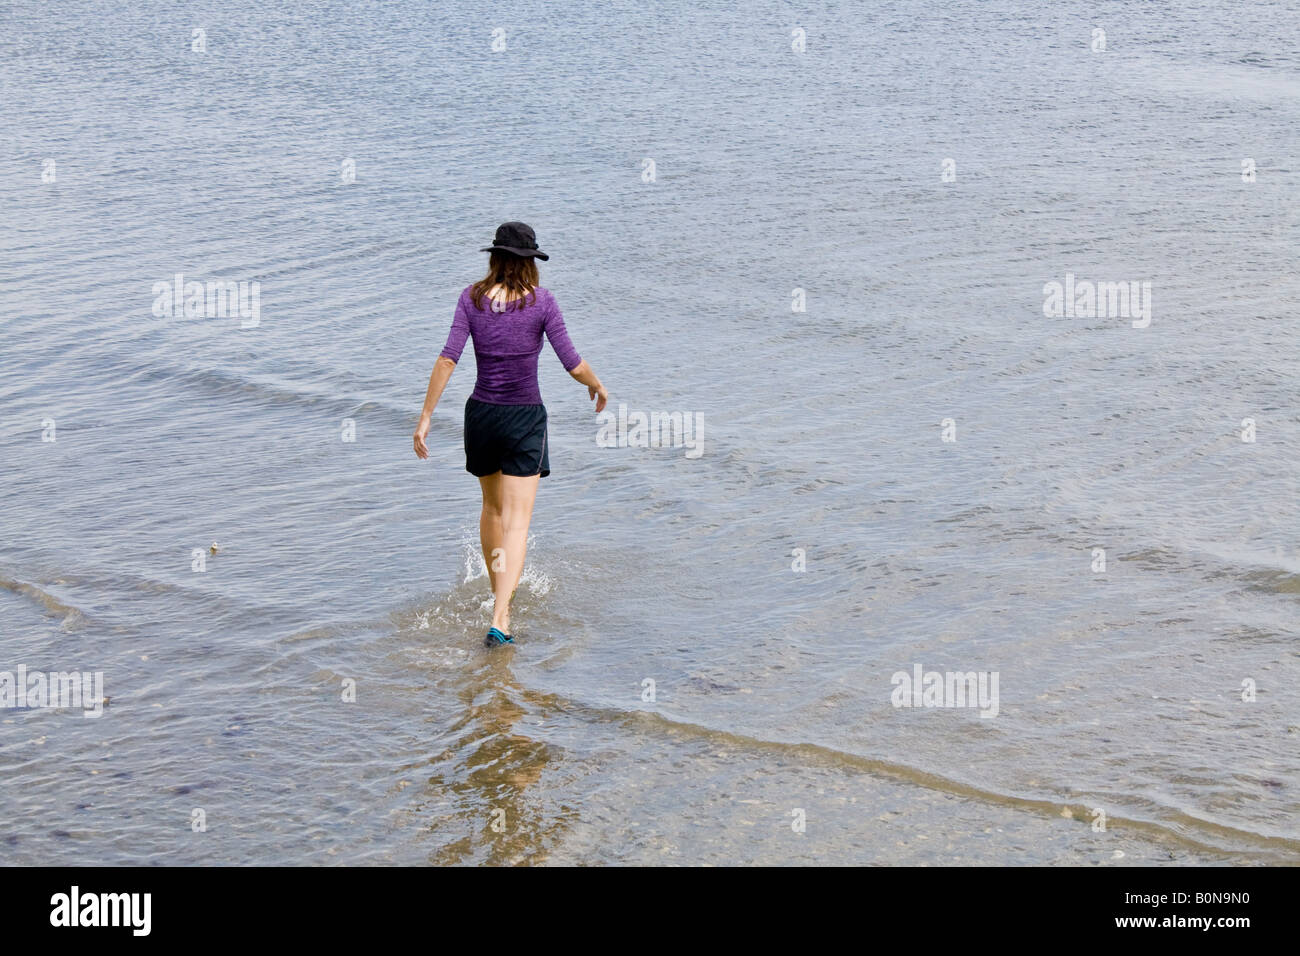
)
(506, 314)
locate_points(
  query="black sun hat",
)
(516, 237)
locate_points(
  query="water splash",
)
(537, 581)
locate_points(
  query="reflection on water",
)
(481, 779)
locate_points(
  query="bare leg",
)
(515, 515)
(490, 533)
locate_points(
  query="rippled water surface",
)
(1120, 690)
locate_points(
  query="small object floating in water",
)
(213, 549)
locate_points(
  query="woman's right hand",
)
(598, 390)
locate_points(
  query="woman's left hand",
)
(422, 429)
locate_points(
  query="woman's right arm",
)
(573, 363)
(583, 373)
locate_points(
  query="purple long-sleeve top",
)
(506, 345)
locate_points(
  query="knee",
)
(513, 518)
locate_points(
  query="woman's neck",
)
(493, 293)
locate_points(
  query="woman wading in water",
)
(506, 314)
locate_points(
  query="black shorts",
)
(510, 439)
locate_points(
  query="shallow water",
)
(774, 170)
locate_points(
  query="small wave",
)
(241, 385)
(72, 616)
(334, 259)
(1161, 823)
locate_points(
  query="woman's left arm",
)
(438, 378)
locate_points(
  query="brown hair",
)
(517, 276)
